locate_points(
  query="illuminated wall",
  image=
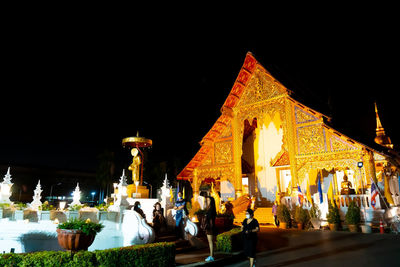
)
(267, 145)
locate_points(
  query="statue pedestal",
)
(142, 190)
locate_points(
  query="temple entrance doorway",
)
(263, 152)
(248, 163)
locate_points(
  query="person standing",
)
(211, 214)
(159, 222)
(138, 208)
(179, 215)
(250, 227)
(274, 209)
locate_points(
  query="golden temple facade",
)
(265, 143)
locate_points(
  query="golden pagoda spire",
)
(381, 137)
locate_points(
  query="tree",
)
(105, 172)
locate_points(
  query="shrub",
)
(20, 205)
(75, 207)
(156, 254)
(87, 227)
(301, 215)
(353, 215)
(283, 213)
(102, 207)
(4, 205)
(46, 258)
(46, 207)
(229, 241)
(333, 215)
(315, 212)
(10, 259)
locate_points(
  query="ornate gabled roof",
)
(281, 159)
(249, 67)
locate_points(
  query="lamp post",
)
(360, 164)
(93, 193)
(51, 190)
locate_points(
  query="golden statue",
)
(346, 186)
(135, 166)
(136, 189)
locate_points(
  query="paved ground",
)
(278, 247)
(325, 248)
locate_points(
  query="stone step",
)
(263, 215)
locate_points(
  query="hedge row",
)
(230, 241)
(156, 254)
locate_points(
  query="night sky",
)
(68, 95)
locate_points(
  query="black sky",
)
(69, 93)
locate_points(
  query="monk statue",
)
(346, 187)
(135, 166)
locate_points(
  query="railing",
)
(362, 201)
(368, 213)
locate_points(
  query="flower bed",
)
(156, 254)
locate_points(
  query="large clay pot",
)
(283, 225)
(300, 226)
(366, 229)
(316, 223)
(353, 228)
(74, 240)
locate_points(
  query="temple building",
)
(268, 145)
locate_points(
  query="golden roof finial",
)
(381, 137)
(379, 128)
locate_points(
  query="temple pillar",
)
(195, 184)
(291, 142)
(369, 167)
(237, 155)
(336, 189)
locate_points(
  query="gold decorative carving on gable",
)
(227, 132)
(311, 139)
(207, 160)
(260, 87)
(328, 161)
(302, 116)
(223, 152)
(379, 157)
(224, 172)
(281, 159)
(339, 144)
(259, 110)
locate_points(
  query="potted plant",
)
(333, 217)
(315, 216)
(283, 214)
(5, 210)
(353, 216)
(45, 210)
(74, 234)
(103, 211)
(19, 210)
(73, 211)
(301, 217)
(3, 206)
